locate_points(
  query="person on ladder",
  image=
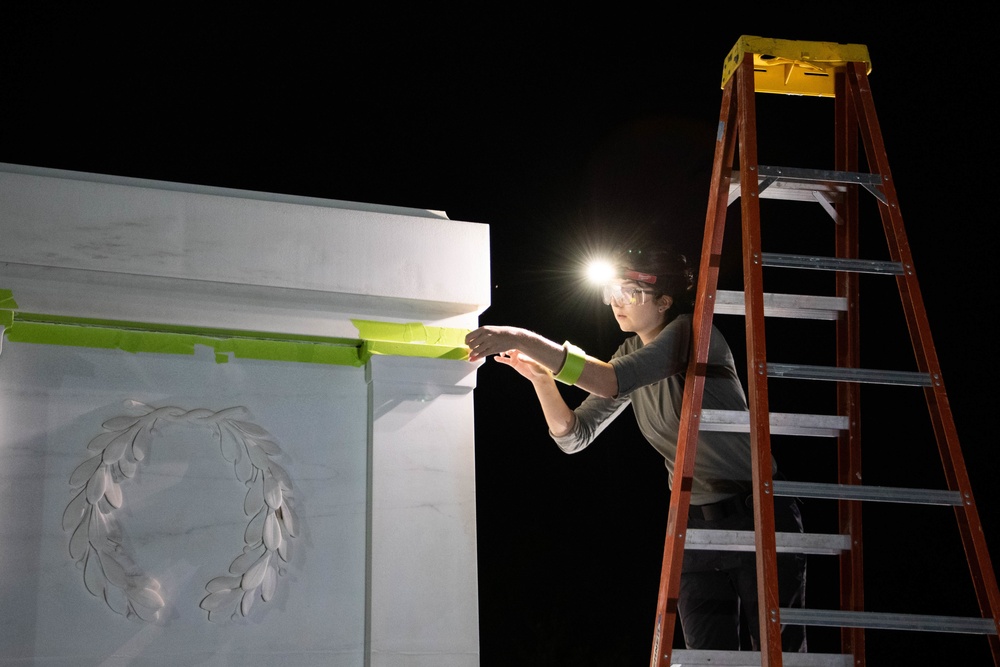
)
(651, 295)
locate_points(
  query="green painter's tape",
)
(411, 339)
(375, 338)
(170, 342)
(7, 300)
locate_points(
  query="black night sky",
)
(565, 131)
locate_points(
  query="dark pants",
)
(717, 585)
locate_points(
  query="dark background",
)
(565, 131)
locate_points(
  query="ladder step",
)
(841, 374)
(686, 657)
(731, 302)
(743, 540)
(889, 621)
(813, 185)
(873, 493)
(832, 264)
(782, 423)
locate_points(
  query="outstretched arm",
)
(598, 377)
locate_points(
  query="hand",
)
(523, 364)
(489, 340)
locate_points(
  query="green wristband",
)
(573, 365)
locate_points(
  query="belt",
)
(730, 506)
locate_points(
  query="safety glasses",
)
(624, 296)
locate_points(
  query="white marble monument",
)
(235, 427)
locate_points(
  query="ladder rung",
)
(832, 264)
(821, 176)
(805, 307)
(792, 183)
(743, 540)
(841, 374)
(697, 658)
(782, 423)
(873, 493)
(888, 621)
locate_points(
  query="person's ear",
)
(663, 303)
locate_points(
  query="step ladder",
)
(838, 71)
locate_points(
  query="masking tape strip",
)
(7, 300)
(412, 339)
(167, 342)
(381, 338)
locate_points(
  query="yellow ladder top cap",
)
(793, 67)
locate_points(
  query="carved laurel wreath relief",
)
(97, 544)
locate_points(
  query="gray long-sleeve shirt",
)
(651, 379)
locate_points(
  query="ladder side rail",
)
(847, 244)
(694, 385)
(970, 527)
(760, 437)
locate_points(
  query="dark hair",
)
(674, 277)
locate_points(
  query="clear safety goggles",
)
(624, 296)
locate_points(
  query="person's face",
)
(635, 308)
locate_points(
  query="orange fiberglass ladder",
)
(838, 71)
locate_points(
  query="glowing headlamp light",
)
(603, 272)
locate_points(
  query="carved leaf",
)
(247, 602)
(79, 541)
(98, 529)
(221, 599)
(115, 573)
(140, 445)
(146, 597)
(257, 455)
(229, 445)
(85, 471)
(244, 469)
(116, 448)
(279, 474)
(243, 562)
(115, 597)
(254, 533)
(93, 574)
(143, 581)
(127, 466)
(120, 423)
(101, 441)
(143, 612)
(269, 446)
(284, 550)
(272, 492)
(254, 499)
(255, 575)
(289, 520)
(250, 429)
(114, 495)
(96, 485)
(268, 585)
(272, 533)
(75, 510)
(223, 584)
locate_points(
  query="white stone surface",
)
(182, 514)
(210, 255)
(382, 572)
(424, 612)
